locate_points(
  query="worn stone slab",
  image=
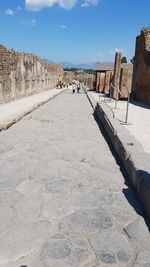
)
(138, 233)
(130, 152)
(92, 199)
(87, 221)
(112, 248)
(60, 197)
(55, 206)
(14, 111)
(143, 259)
(29, 260)
(65, 251)
(29, 208)
(19, 241)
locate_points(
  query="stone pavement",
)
(63, 199)
(15, 110)
(138, 118)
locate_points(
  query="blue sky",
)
(73, 30)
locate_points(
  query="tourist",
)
(78, 88)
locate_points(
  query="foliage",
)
(132, 60)
(71, 69)
(76, 70)
(90, 71)
(124, 60)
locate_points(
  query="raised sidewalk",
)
(15, 110)
(130, 145)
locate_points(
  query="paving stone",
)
(19, 241)
(59, 176)
(28, 186)
(56, 207)
(138, 233)
(31, 260)
(143, 259)
(91, 199)
(70, 250)
(58, 186)
(121, 214)
(7, 217)
(28, 209)
(87, 221)
(10, 175)
(111, 248)
(9, 197)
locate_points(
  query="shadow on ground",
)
(141, 105)
(129, 193)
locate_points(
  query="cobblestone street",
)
(63, 199)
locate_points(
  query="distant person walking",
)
(73, 88)
(78, 88)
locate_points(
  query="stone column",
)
(97, 81)
(107, 82)
(125, 81)
(102, 82)
(117, 71)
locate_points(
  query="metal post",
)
(116, 100)
(127, 109)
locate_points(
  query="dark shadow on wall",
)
(134, 202)
(129, 192)
(139, 104)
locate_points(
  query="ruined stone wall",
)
(68, 76)
(84, 77)
(125, 81)
(98, 81)
(141, 71)
(116, 77)
(24, 74)
(102, 82)
(108, 81)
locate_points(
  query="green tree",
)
(124, 60)
(132, 59)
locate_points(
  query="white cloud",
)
(113, 52)
(36, 5)
(84, 5)
(64, 27)
(9, 12)
(107, 56)
(31, 22)
(89, 2)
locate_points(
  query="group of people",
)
(60, 85)
(76, 87)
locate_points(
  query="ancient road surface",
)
(63, 198)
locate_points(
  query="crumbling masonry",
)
(24, 74)
(141, 70)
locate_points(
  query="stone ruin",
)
(122, 78)
(23, 74)
(134, 78)
(114, 80)
(141, 70)
(86, 78)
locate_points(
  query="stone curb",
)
(135, 161)
(16, 117)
